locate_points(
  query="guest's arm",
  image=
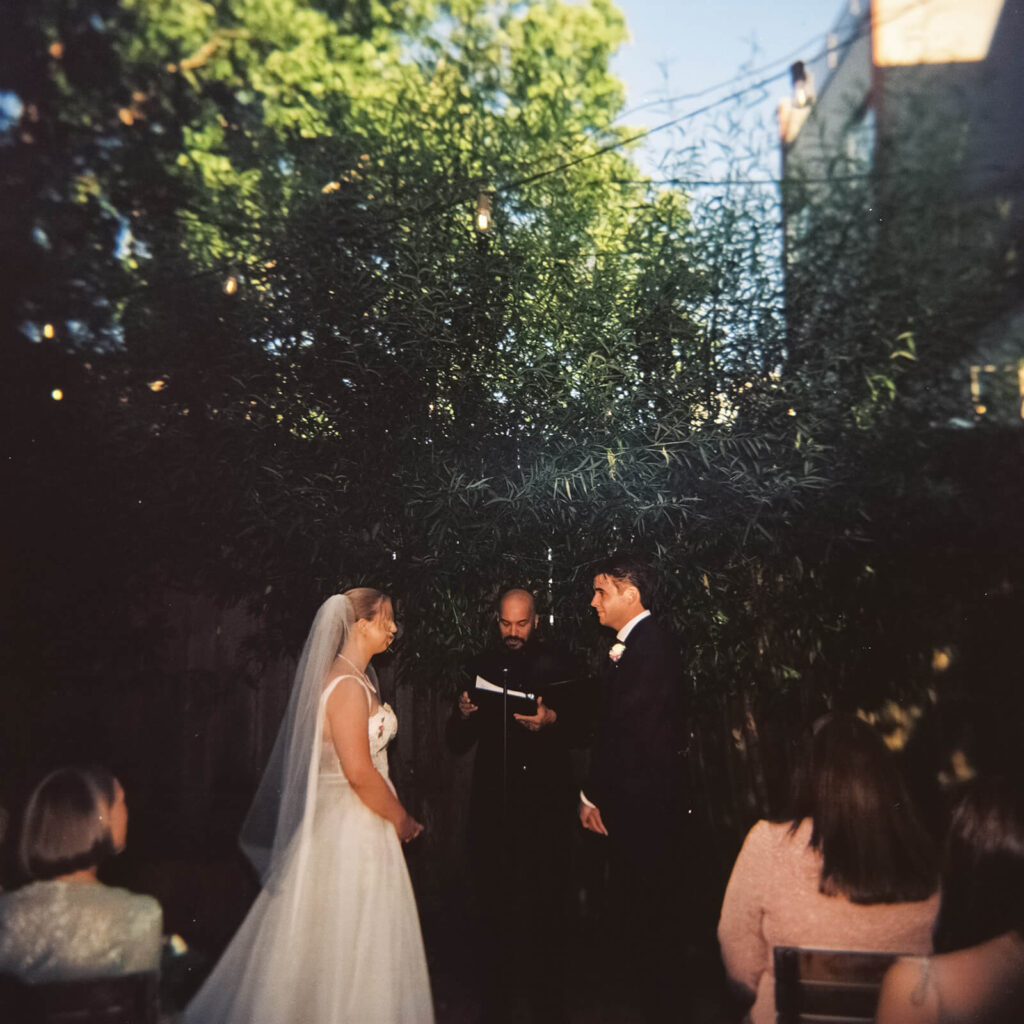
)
(745, 951)
(908, 994)
(348, 721)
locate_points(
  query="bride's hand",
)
(409, 828)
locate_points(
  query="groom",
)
(634, 795)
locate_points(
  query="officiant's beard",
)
(514, 643)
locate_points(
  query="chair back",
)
(120, 999)
(828, 986)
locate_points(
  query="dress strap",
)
(920, 993)
(367, 688)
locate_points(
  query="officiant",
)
(521, 808)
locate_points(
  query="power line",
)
(700, 93)
(442, 206)
(617, 144)
(794, 180)
(735, 95)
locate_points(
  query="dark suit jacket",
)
(636, 776)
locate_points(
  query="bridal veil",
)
(288, 786)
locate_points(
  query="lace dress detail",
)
(335, 938)
(58, 931)
(383, 727)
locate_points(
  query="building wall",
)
(951, 73)
(819, 143)
(925, 107)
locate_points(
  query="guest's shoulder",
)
(755, 863)
(123, 902)
(32, 894)
(8, 906)
(779, 839)
(767, 835)
(129, 898)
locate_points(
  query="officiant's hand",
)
(545, 716)
(466, 706)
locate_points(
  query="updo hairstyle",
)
(366, 602)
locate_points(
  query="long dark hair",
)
(983, 867)
(873, 844)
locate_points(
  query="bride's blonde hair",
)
(366, 602)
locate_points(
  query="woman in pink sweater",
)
(852, 869)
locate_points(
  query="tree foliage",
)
(241, 243)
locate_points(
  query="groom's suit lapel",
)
(620, 676)
(634, 643)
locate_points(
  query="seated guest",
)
(977, 975)
(65, 923)
(852, 869)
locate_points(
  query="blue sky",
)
(681, 47)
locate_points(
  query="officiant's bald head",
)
(517, 618)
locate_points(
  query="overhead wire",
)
(867, 26)
(442, 206)
(707, 90)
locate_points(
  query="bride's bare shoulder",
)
(346, 689)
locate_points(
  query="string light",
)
(484, 202)
(48, 331)
(753, 87)
(231, 284)
(57, 395)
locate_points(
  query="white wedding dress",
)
(335, 937)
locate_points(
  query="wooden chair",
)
(828, 986)
(121, 999)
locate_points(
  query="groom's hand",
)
(590, 819)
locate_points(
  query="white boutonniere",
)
(617, 650)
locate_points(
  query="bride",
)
(334, 937)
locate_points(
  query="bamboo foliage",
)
(244, 248)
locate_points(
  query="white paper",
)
(483, 684)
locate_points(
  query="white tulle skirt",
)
(335, 940)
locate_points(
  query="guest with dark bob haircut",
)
(977, 976)
(68, 824)
(852, 868)
(65, 923)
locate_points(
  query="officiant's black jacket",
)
(539, 779)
